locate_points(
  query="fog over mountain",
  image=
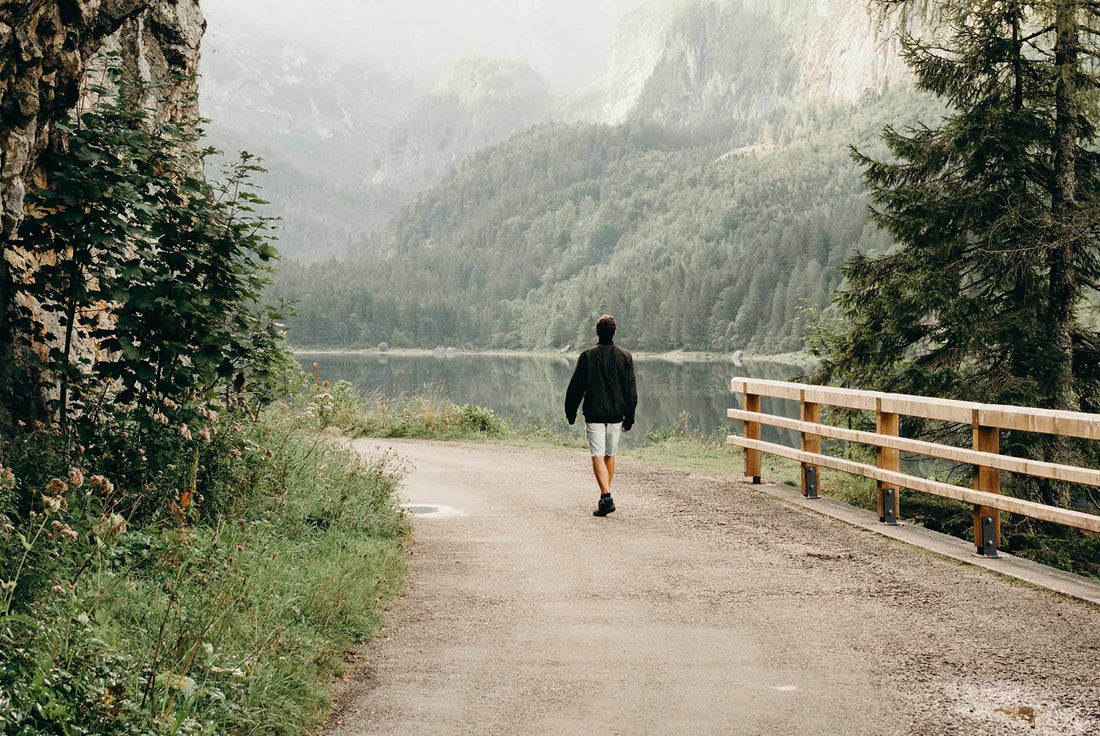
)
(564, 40)
(447, 172)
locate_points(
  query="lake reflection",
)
(535, 385)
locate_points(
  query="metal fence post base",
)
(811, 481)
(988, 547)
(889, 506)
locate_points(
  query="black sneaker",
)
(606, 506)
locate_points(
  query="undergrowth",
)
(185, 625)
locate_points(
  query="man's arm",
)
(577, 386)
(630, 391)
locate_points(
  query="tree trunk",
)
(1066, 236)
(7, 347)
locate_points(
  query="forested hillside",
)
(691, 244)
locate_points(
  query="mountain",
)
(704, 193)
(347, 144)
(480, 102)
(689, 62)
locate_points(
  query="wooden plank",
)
(886, 423)
(1007, 463)
(849, 398)
(1076, 519)
(988, 480)
(752, 432)
(771, 389)
(945, 410)
(1045, 421)
(811, 414)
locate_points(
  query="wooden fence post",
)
(752, 432)
(888, 459)
(811, 474)
(987, 439)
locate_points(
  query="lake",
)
(534, 385)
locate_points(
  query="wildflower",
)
(274, 555)
(235, 452)
(57, 487)
(237, 426)
(185, 499)
(268, 453)
(98, 481)
(52, 503)
(76, 477)
(113, 524)
(7, 479)
(185, 432)
(232, 559)
(58, 589)
(8, 585)
(325, 384)
(70, 533)
(240, 548)
(205, 434)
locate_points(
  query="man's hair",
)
(605, 327)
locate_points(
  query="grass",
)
(230, 627)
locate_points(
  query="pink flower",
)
(58, 589)
(242, 522)
(185, 432)
(76, 477)
(205, 434)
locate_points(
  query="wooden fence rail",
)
(986, 420)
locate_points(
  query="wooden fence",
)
(987, 421)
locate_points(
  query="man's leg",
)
(603, 478)
(609, 461)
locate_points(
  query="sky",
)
(565, 40)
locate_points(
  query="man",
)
(604, 378)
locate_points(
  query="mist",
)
(564, 40)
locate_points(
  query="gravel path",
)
(699, 607)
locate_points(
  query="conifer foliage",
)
(994, 212)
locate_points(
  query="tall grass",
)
(229, 627)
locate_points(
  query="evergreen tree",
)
(992, 211)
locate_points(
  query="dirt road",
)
(699, 607)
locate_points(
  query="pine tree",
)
(994, 215)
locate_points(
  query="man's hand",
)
(626, 427)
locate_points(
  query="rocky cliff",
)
(46, 48)
(682, 62)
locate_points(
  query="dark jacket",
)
(604, 378)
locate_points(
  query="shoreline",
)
(671, 356)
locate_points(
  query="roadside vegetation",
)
(184, 548)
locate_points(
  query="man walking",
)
(604, 378)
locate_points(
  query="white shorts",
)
(603, 439)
